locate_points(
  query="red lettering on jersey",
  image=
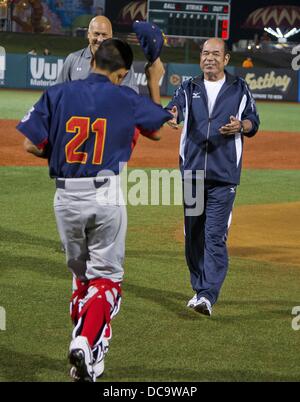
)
(99, 127)
(80, 126)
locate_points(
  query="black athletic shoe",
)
(80, 356)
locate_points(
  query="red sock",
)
(94, 320)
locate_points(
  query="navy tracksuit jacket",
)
(202, 147)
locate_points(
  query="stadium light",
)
(278, 34)
(272, 32)
(292, 32)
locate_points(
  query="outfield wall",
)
(40, 72)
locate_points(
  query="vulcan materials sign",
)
(30, 72)
(43, 72)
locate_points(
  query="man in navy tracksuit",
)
(218, 110)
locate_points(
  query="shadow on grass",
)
(16, 237)
(23, 367)
(17, 366)
(43, 266)
(175, 303)
(259, 310)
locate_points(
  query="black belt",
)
(61, 183)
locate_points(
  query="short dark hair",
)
(113, 54)
(226, 48)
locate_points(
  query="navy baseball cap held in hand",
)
(150, 37)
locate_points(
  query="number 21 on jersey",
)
(81, 127)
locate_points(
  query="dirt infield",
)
(278, 150)
(276, 240)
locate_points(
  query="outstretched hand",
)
(173, 122)
(231, 128)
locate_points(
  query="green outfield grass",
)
(155, 337)
(15, 103)
(274, 116)
(279, 116)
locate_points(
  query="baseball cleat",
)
(80, 356)
(98, 363)
(98, 368)
(191, 303)
(203, 306)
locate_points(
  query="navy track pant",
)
(205, 240)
